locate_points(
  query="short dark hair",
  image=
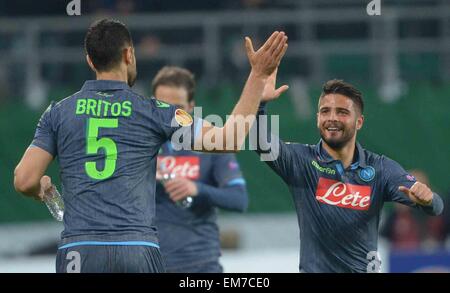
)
(104, 42)
(337, 86)
(176, 77)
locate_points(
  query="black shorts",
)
(109, 259)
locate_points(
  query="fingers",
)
(281, 90)
(281, 54)
(268, 44)
(173, 185)
(278, 44)
(46, 182)
(404, 189)
(249, 47)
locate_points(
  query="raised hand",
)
(418, 193)
(268, 57)
(270, 91)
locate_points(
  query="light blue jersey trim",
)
(123, 243)
(340, 169)
(236, 181)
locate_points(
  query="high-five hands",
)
(266, 60)
(418, 193)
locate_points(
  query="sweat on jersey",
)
(190, 236)
(338, 209)
(106, 139)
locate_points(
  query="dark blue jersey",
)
(106, 139)
(339, 209)
(190, 236)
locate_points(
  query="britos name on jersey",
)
(180, 166)
(344, 195)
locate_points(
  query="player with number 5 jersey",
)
(106, 139)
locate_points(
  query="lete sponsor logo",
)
(344, 195)
(180, 166)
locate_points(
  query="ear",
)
(89, 62)
(317, 119)
(359, 122)
(128, 55)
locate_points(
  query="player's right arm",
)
(29, 176)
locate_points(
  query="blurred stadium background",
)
(400, 59)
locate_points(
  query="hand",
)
(269, 92)
(268, 57)
(180, 188)
(419, 193)
(46, 185)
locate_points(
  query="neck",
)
(345, 154)
(112, 75)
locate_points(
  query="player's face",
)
(338, 120)
(174, 95)
(131, 69)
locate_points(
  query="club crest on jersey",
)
(366, 174)
(183, 118)
(343, 195)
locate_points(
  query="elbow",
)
(23, 183)
(242, 204)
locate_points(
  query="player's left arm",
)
(403, 188)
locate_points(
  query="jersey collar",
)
(325, 157)
(103, 85)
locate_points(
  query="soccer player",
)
(189, 236)
(106, 139)
(339, 188)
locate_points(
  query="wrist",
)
(255, 74)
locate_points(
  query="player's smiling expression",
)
(338, 119)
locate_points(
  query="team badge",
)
(367, 174)
(183, 118)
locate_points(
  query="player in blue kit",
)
(339, 188)
(106, 139)
(189, 236)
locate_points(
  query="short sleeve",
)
(45, 137)
(175, 124)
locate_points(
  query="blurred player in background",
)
(106, 139)
(339, 188)
(189, 235)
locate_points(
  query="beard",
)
(337, 142)
(132, 76)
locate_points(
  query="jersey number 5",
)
(93, 145)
